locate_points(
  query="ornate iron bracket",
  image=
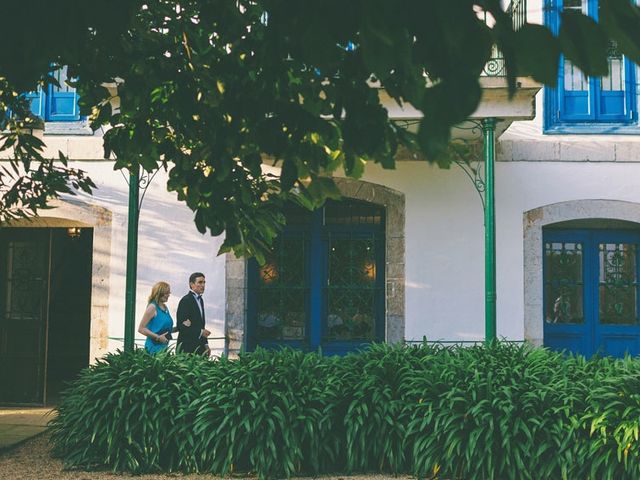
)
(144, 180)
(471, 165)
(469, 161)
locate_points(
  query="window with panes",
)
(580, 100)
(56, 103)
(322, 287)
(591, 291)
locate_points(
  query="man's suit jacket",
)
(189, 339)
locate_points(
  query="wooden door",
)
(24, 273)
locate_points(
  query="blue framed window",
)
(56, 103)
(323, 284)
(581, 104)
(591, 294)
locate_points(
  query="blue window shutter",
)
(613, 90)
(62, 105)
(37, 102)
(612, 106)
(575, 94)
(575, 89)
(62, 101)
(55, 103)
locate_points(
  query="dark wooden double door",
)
(45, 304)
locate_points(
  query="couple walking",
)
(157, 324)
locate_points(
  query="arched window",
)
(324, 284)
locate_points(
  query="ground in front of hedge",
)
(32, 461)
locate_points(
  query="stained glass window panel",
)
(351, 288)
(563, 282)
(282, 292)
(618, 284)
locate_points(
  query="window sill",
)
(593, 129)
(80, 127)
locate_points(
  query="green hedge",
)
(500, 412)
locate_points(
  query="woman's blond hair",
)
(158, 290)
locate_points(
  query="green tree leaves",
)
(620, 18)
(538, 53)
(213, 90)
(29, 181)
(584, 43)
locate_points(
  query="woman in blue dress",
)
(156, 323)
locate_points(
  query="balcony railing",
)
(518, 11)
(495, 67)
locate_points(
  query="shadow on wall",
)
(169, 248)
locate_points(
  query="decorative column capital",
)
(489, 123)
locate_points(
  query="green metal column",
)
(132, 262)
(488, 133)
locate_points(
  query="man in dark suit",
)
(192, 336)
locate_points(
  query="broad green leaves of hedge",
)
(504, 411)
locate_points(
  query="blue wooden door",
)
(352, 308)
(566, 320)
(279, 307)
(323, 285)
(615, 302)
(591, 291)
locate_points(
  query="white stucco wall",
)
(445, 237)
(170, 249)
(444, 240)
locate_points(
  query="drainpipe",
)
(488, 133)
(132, 261)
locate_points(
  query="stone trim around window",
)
(533, 223)
(394, 203)
(75, 213)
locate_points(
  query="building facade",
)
(401, 258)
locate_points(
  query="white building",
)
(403, 259)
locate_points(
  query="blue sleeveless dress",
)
(162, 322)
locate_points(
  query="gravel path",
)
(31, 461)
